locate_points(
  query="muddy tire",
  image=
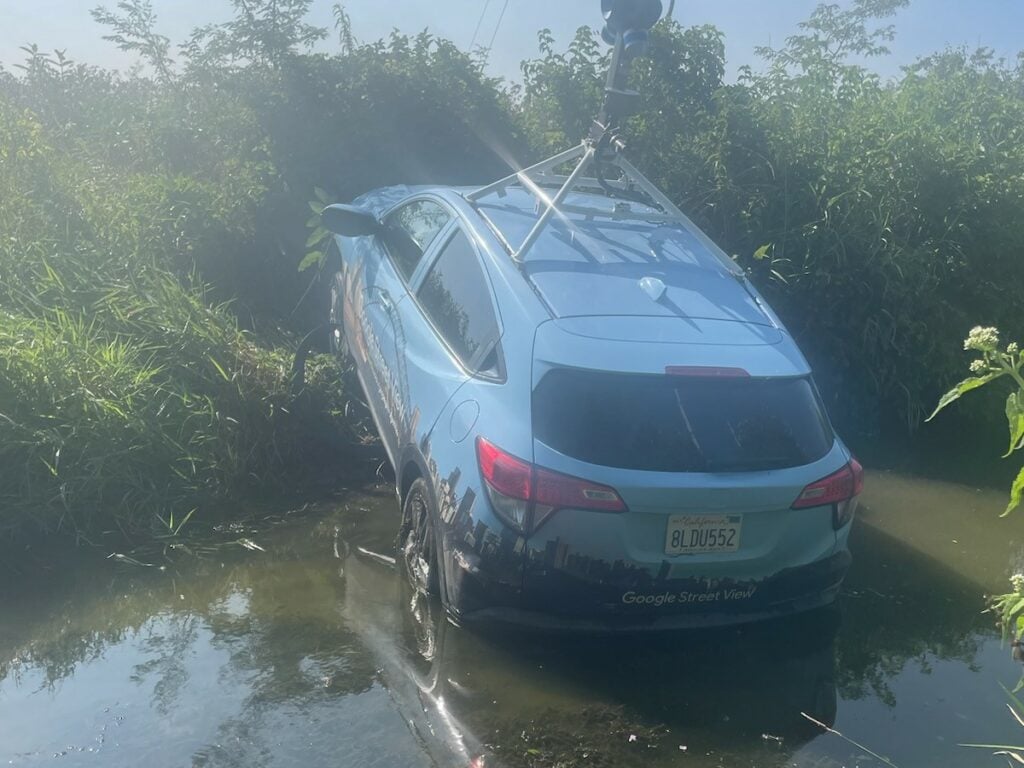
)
(417, 540)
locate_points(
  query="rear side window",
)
(455, 297)
(680, 423)
(409, 231)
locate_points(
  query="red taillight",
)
(527, 495)
(506, 474)
(858, 476)
(837, 487)
(560, 491)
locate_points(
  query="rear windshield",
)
(680, 423)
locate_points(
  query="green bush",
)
(127, 397)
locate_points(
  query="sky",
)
(926, 26)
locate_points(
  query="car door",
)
(451, 329)
(409, 230)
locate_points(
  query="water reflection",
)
(314, 654)
(521, 699)
(906, 608)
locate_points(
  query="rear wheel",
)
(417, 539)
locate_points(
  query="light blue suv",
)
(605, 427)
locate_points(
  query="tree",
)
(262, 32)
(132, 30)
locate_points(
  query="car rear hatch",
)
(708, 430)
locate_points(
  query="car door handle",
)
(385, 298)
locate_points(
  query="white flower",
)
(1017, 580)
(977, 366)
(982, 339)
(1012, 349)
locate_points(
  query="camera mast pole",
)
(627, 24)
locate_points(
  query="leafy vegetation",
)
(1009, 611)
(152, 224)
(994, 364)
(127, 395)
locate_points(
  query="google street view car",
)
(594, 418)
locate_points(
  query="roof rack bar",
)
(634, 175)
(553, 203)
(551, 179)
(603, 145)
(669, 207)
(552, 162)
(619, 214)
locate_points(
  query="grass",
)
(131, 400)
(138, 413)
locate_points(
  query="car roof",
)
(583, 265)
(587, 265)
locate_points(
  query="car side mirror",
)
(350, 221)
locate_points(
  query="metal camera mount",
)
(629, 22)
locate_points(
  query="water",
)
(313, 654)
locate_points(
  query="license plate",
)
(701, 534)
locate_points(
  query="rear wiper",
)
(689, 429)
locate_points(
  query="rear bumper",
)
(558, 601)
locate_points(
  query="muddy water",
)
(312, 653)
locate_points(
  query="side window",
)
(409, 231)
(456, 299)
